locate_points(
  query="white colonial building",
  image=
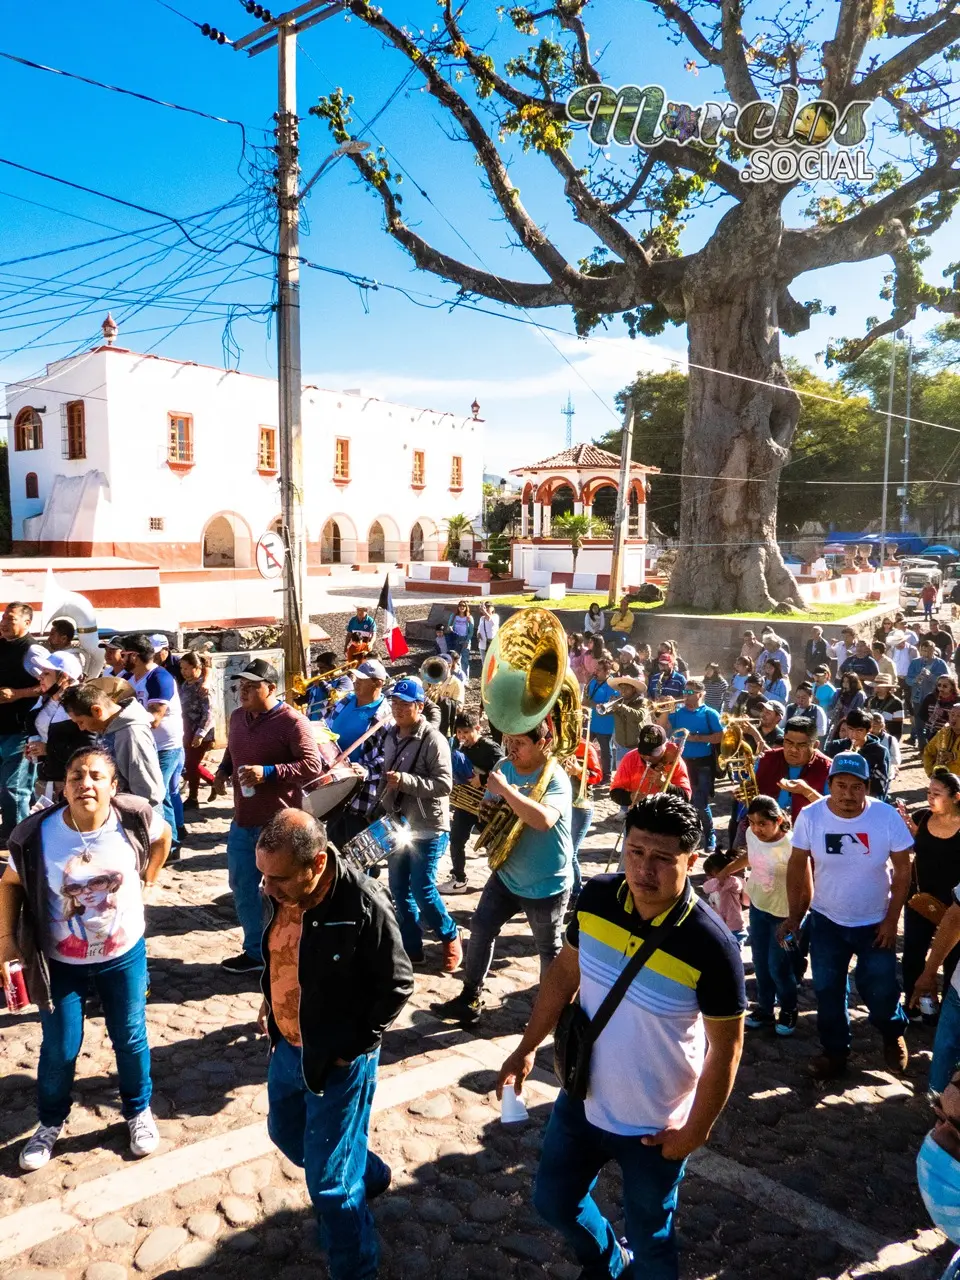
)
(119, 454)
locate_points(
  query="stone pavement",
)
(798, 1180)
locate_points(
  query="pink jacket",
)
(728, 899)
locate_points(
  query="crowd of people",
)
(820, 868)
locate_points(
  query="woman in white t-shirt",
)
(71, 909)
(778, 970)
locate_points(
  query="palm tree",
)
(576, 528)
(457, 526)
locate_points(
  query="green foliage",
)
(840, 437)
(577, 528)
(457, 526)
(498, 562)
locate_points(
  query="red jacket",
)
(772, 766)
(633, 775)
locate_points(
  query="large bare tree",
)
(733, 293)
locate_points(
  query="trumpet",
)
(664, 707)
(604, 708)
(301, 685)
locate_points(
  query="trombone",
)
(301, 685)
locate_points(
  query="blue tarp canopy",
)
(906, 543)
(938, 549)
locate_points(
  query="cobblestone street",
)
(798, 1180)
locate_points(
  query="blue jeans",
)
(171, 767)
(17, 776)
(574, 1152)
(122, 987)
(581, 819)
(832, 946)
(603, 741)
(412, 873)
(497, 905)
(701, 780)
(946, 1046)
(325, 1134)
(244, 879)
(774, 968)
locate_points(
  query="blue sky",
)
(377, 339)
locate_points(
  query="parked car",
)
(912, 581)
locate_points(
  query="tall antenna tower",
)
(568, 411)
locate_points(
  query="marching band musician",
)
(416, 784)
(704, 732)
(629, 713)
(535, 879)
(641, 772)
(585, 774)
(479, 754)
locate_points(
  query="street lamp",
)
(351, 148)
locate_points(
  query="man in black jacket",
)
(335, 976)
(855, 735)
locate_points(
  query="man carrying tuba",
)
(536, 878)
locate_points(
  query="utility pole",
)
(905, 493)
(282, 31)
(886, 452)
(622, 518)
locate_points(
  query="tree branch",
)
(899, 27)
(856, 22)
(684, 22)
(736, 70)
(528, 232)
(594, 214)
(889, 74)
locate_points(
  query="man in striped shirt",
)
(663, 1067)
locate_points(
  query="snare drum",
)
(334, 789)
(381, 838)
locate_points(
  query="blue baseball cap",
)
(409, 689)
(850, 762)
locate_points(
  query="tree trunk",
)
(737, 433)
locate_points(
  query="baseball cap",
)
(629, 650)
(651, 740)
(771, 704)
(372, 669)
(409, 689)
(258, 670)
(65, 661)
(115, 642)
(159, 640)
(850, 762)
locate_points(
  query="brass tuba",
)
(525, 679)
(738, 756)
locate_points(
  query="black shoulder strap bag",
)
(576, 1034)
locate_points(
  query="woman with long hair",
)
(594, 621)
(198, 724)
(774, 685)
(71, 911)
(850, 697)
(576, 651)
(936, 871)
(934, 707)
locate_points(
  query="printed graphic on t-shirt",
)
(855, 842)
(91, 925)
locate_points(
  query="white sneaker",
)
(455, 886)
(144, 1134)
(39, 1149)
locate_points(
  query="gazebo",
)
(583, 479)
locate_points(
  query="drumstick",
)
(342, 755)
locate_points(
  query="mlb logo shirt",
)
(851, 859)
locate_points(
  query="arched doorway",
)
(605, 503)
(416, 542)
(376, 552)
(330, 543)
(561, 504)
(227, 542)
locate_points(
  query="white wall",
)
(127, 399)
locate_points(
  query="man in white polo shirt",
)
(850, 866)
(661, 1069)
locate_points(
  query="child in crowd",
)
(442, 643)
(714, 686)
(726, 894)
(777, 969)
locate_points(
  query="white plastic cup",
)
(512, 1110)
(248, 792)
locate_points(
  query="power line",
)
(130, 93)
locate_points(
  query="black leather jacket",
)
(355, 976)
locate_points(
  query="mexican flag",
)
(393, 640)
